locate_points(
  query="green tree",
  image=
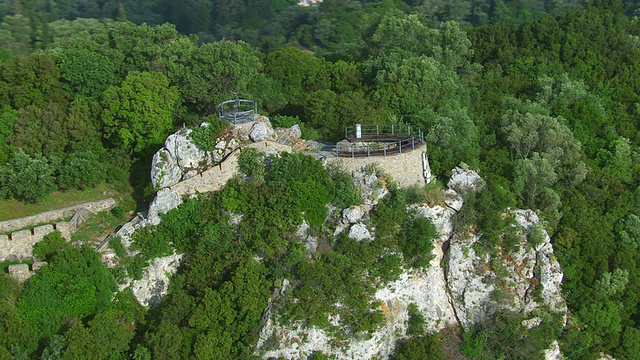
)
(80, 170)
(423, 347)
(13, 330)
(28, 179)
(138, 113)
(75, 284)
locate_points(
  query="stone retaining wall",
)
(406, 169)
(52, 216)
(19, 244)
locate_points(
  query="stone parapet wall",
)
(406, 168)
(52, 216)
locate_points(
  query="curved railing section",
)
(238, 111)
(378, 140)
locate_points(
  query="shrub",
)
(204, 137)
(416, 321)
(80, 170)
(419, 348)
(28, 179)
(50, 245)
(285, 121)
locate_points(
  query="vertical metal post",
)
(413, 143)
(392, 129)
(352, 151)
(409, 130)
(368, 150)
(385, 150)
(377, 129)
(346, 132)
(400, 143)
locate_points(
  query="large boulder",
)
(165, 200)
(261, 132)
(359, 232)
(289, 136)
(353, 214)
(178, 156)
(463, 179)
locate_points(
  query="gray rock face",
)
(465, 180)
(289, 136)
(155, 280)
(165, 200)
(181, 159)
(359, 232)
(352, 215)
(261, 131)
(473, 295)
(178, 156)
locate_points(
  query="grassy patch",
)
(97, 225)
(11, 209)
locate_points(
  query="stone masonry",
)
(19, 245)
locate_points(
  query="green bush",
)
(204, 137)
(28, 178)
(80, 170)
(415, 241)
(50, 245)
(284, 121)
(416, 321)
(74, 285)
(419, 348)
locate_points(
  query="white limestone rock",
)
(165, 200)
(261, 131)
(371, 187)
(178, 157)
(155, 280)
(553, 352)
(186, 153)
(352, 214)
(310, 242)
(465, 180)
(359, 232)
(426, 288)
(441, 218)
(289, 136)
(471, 291)
(453, 200)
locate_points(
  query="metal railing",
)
(238, 111)
(370, 149)
(383, 129)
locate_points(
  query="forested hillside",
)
(543, 98)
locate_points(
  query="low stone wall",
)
(19, 244)
(406, 168)
(52, 216)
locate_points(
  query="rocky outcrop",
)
(261, 132)
(165, 201)
(155, 280)
(463, 179)
(461, 286)
(181, 159)
(359, 232)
